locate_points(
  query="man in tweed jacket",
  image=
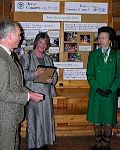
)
(13, 96)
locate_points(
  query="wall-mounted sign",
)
(86, 8)
(62, 17)
(74, 74)
(83, 27)
(41, 25)
(37, 6)
(68, 64)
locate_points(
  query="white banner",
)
(37, 6)
(86, 8)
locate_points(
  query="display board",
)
(72, 27)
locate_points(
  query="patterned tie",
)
(105, 54)
(14, 56)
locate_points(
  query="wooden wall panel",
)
(5, 9)
(26, 17)
(116, 15)
(116, 23)
(94, 18)
(115, 1)
(1, 10)
(116, 9)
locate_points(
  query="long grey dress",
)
(40, 117)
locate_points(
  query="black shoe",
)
(44, 148)
(106, 147)
(97, 148)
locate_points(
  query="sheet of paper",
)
(53, 50)
(41, 25)
(54, 33)
(83, 27)
(85, 48)
(74, 74)
(68, 64)
(32, 32)
(61, 17)
(86, 8)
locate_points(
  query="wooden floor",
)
(77, 143)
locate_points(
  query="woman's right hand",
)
(39, 71)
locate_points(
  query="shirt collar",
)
(108, 50)
(6, 49)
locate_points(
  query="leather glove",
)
(103, 93)
(107, 92)
(100, 91)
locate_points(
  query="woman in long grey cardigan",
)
(103, 74)
(40, 118)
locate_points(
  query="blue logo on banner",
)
(20, 5)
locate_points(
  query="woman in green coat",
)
(103, 74)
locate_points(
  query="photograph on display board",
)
(76, 56)
(84, 38)
(29, 44)
(70, 47)
(55, 57)
(70, 36)
(95, 37)
(54, 41)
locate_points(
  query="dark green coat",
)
(103, 110)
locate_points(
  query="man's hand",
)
(36, 97)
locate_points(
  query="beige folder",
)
(48, 72)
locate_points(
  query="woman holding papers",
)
(40, 119)
(103, 74)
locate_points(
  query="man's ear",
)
(10, 35)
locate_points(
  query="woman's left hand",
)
(49, 80)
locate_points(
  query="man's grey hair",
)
(6, 27)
